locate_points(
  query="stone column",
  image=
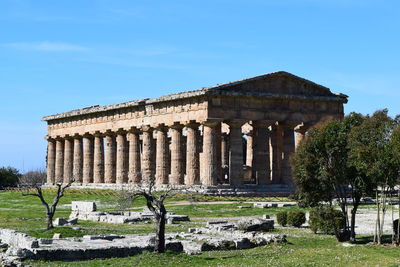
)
(249, 148)
(288, 150)
(209, 157)
(235, 153)
(121, 166)
(176, 177)
(109, 159)
(98, 163)
(277, 148)
(78, 159)
(192, 154)
(300, 133)
(134, 157)
(261, 160)
(224, 150)
(162, 155)
(68, 159)
(87, 159)
(147, 164)
(59, 166)
(51, 161)
(218, 144)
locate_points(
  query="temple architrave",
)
(236, 133)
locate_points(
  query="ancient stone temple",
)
(234, 133)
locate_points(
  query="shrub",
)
(9, 177)
(281, 217)
(326, 220)
(296, 218)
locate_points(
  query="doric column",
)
(224, 150)
(147, 164)
(87, 159)
(59, 167)
(176, 177)
(235, 153)
(261, 160)
(134, 157)
(277, 149)
(51, 160)
(209, 157)
(288, 150)
(109, 159)
(192, 155)
(68, 159)
(78, 159)
(121, 166)
(162, 155)
(98, 163)
(218, 144)
(300, 133)
(249, 148)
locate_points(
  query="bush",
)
(281, 217)
(296, 218)
(9, 177)
(326, 220)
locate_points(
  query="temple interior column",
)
(218, 144)
(209, 157)
(261, 161)
(121, 164)
(98, 163)
(134, 157)
(224, 156)
(68, 159)
(162, 169)
(59, 165)
(249, 148)
(109, 159)
(87, 159)
(288, 150)
(51, 161)
(192, 155)
(147, 164)
(177, 176)
(78, 159)
(300, 133)
(235, 153)
(277, 150)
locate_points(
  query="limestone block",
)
(60, 222)
(83, 206)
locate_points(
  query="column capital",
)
(176, 126)
(192, 124)
(211, 122)
(77, 136)
(262, 124)
(147, 128)
(302, 128)
(134, 130)
(235, 123)
(161, 127)
(49, 138)
(87, 135)
(120, 131)
(109, 132)
(98, 134)
(59, 138)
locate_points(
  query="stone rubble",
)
(220, 235)
(87, 211)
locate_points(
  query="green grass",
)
(305, 249)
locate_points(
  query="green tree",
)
(373, 155)
(9, 177)
(322, 171)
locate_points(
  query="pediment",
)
(277, 83)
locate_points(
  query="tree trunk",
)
(353, 223)
(160, 235)
(50, 221)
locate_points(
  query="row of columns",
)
(123, 157)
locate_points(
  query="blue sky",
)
(60, 55)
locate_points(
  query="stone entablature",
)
(194, 137)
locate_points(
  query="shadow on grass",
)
(362, 240)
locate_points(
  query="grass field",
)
(26, 214)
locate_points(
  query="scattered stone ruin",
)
(236, 133)
(243, 234)
(87, 211)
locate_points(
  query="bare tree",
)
(50, 209)
(34, 177)
(155, 203)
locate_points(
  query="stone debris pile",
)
(87, 211)
(221, 235)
